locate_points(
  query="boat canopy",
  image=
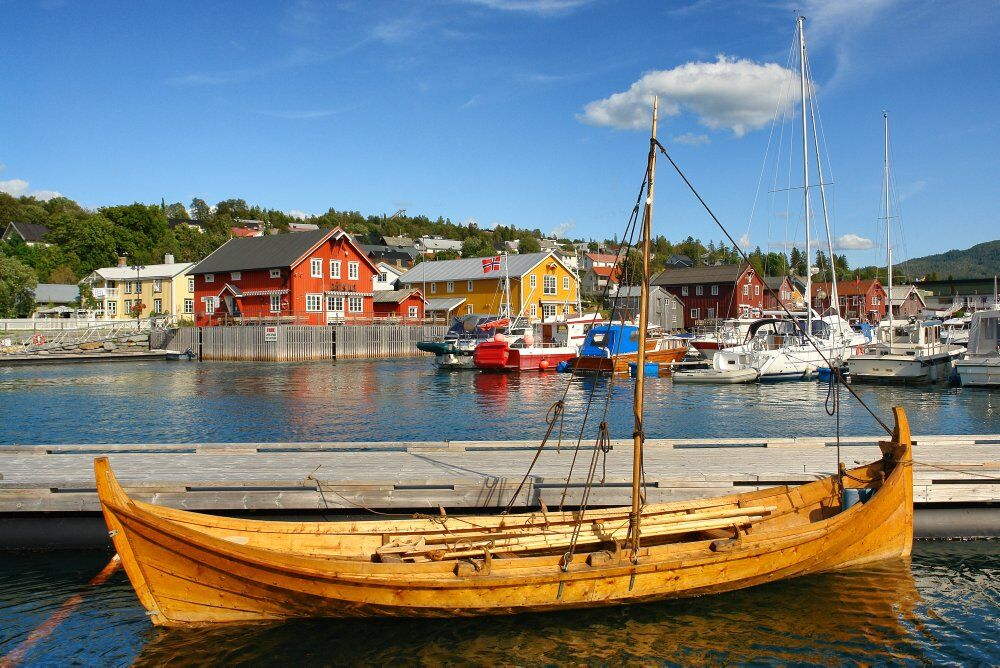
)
(984, 333)
(472, 327)
(608, 340)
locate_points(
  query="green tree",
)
(177, 210)
(17, 283)
(199, 208)
(528, 244)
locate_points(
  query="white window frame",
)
(756, 290)
(699, 290)
(449, 286)
(316, 267)
(335, 269)
(710, 313)
(127, 306)
(550, 287)
(112, 308)
(210, 278)
(746, 290)
(209, 303)
(234, 275)
(274, 273)
(549, 311)
(565, 283)
(684, 291)
(188, 306)
(696, 314)
(468, 309)
(469, 287)
(434, 288)
(157, 285)
(413, 312)
(157, 305)
(353, 270)
(715, 290)
(275, 303)
(533, 281)
(534, 309)
(355, 305)
(383, 277)
(314, 302)
(191, 285)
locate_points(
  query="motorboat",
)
(981, 365)
(906, 352)
(609, 348)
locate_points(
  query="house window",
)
(112, 308)
(468, 286)
(383, 276)
(188, 306)
(157, 285)
(449, 286)
(413, 312)
(756, 291)
(233, 276)
(191, 284)
(534, 309)
(684, 291)
(533, 281)
(355, 304)
(695, 313)
(157, 305)
(548, 285)
(209, 304)
(715, 290)
(275, 303)
(334, 268)
(699, 290)
(138, 287)
(746, 290)
(128, 305)
(549, 311)
(565, 283)
(316, 267)
(352, 271)
(434, 288)
(710, 313)
(468, 309)
(314, 303)
(128, 287)
(210, 278)
(274, 273)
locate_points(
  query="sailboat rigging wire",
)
(708, 209)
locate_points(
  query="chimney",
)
(122, 260)
(168, 258)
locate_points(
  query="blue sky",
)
(505, 111)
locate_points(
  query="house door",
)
(232, 307)
(334, 309)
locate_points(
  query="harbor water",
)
(941, 607)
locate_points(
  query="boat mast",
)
(801, 20)
(888, 248)
(640, 375)
(505, 309)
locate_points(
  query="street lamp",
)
(138, 290)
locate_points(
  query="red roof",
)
(242, 232)
(848, 288)
(611, 273)
(602, 257)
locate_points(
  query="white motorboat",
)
(981, 365)
(906, 352)
(956, 330)
(727, 333)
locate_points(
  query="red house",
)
(709, 293)
(309, 278)
(859, 300)
(400, 304)
(780, 292)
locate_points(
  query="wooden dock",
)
(83, 358)
(951, 472)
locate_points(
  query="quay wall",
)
(280, 343)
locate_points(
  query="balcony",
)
(105, 293)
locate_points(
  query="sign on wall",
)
(271, 333)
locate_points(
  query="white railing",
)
(105, 293)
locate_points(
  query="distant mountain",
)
(980, 261)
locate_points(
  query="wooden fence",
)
(296, 342)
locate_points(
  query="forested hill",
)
(980, 261)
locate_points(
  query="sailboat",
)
(190, 568)
(797, 348)
(904, 351)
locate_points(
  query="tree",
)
(90, 239)
(62, 275)
(798, 262)
(17, 284)
(177, 210)
(479, 245)
(199, 208)
(528, 244)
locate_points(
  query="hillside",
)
(980, 261)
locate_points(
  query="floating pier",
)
(48, 498)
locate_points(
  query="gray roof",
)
(471, 269)
(268, 252)
(392, 296)
(27, 231)
(440, 244)
(636, 291)
(445, 304)
(403, 242)
(901, 292)
(774, 282)
(56, 293)
(378, 250)
(723, 273)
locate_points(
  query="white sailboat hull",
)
(903, 368)
(792, 362)
(979, 372)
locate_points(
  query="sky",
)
(532, 113)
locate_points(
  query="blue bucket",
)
(853, 496)
(652, 369)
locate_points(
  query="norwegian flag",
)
(491, 264)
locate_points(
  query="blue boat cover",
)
(609, 340)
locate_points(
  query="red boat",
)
(520, 354)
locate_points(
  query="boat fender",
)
(543, 364)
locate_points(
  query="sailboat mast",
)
(805, 168)
(640, 375)
(888, 228)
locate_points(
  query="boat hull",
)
(586, 364)
(191, 569)
(901, 369)
(499, 356)
(978, 372)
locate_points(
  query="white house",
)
(386, 277)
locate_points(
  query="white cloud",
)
(744, 241)
(912, 190)
(729, 93)
(531, 6)
(787, 245)
(472, 101)
(691, 139)
(301, 215)
(852, 242)
(561, 230)
(19, 188)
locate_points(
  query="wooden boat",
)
(190, 568)
(612, 347)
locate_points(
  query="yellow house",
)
(162, 289)
(542, 287)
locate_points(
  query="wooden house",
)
(709, 293)
(859, 300)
